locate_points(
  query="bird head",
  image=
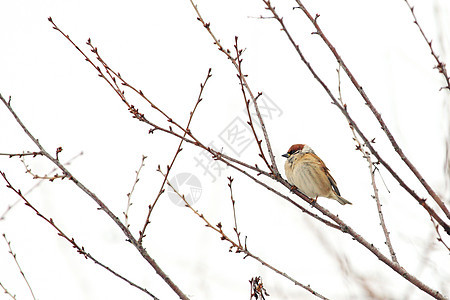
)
(297, 149)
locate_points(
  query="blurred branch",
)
(103, 207)
(80, 250)
(441, 67)
(377, 115)
(236, 246)
(15, 258)
(366, 155)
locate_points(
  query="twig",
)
(169, 167)
(17, 262)
(436, 227)
(441, 67)
(241, 77)
(344, 227)
(28, 153)
(366, 155)
(42, 177)
(238, 234)
(377, 115)
(273, 168)
(421, 201)
(103, 207)
(2, 217)
(7, 292)
(237, 247)
(132, 190)
(80, 250)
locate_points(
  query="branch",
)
(366, 155)
(80, 250)
(132, 190)
(440, 65)
(377, 115)
(17, 262)
(28, 153)
(237, 246)
(169, 167)
(344, 111)
(3, 215)
(273, 168)
(103, 207)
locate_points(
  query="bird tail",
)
(342, 200)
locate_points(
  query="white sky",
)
(161, 48)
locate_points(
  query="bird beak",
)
(286, 155)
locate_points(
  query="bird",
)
(306, 171)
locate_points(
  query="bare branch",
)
(16, 261)
(169, 167)
(132, 190)
(273, 168)
(344, 111)
(366, 155)
(237, 247)
(377, 115)
(80, 250)
(103, 207)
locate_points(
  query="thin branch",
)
(169, 167)
(241, 77)
(7, 292)
(132, 190)
(366, 155)
(273, 168)
(436, 227)
(17, 263)
(28, 153)
(80, 250)
(237, 247)
(377, 115)
(441, 67)
(42, 177)
(2, 217)
(344, 111)
(103, 207)
(344, 227)
(238, 234)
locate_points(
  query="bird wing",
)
(313, 158)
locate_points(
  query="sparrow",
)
(305, 170)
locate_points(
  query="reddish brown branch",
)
(377, 115)
(344, 111)
(80, 250)
(238, 247)
(102, 206)
(169, 167)
(273, 167)
(440, 66)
